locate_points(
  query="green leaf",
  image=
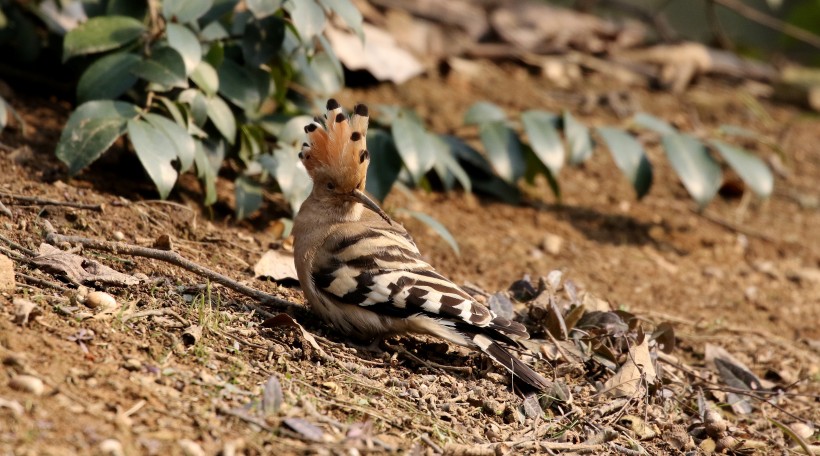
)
(108, 77)
(172, 109)
(183, 144)
(183, 40)
(221, 115)
(536, 167)
(155, 151)
(484, 112)
(100, 34)
(734, 130)
(308, 18)
(205, 172)
(198, 103)
(213, 33)
(653, 123)
(129, 8)
(412, 142)
(251, 142)
(262, 40)
(697, 170)
(263, 8)
(236, 84)
(437, 227)
(220, 9)
(630, 158)
(750, 168)
(293, 131)
(90, 130)
(319, 75)
(346, 10)
(446, 166)
(165, 67)
(578, 139)
(284, 165)
(206, 78)
(248, 197)
(544, 139)
(503, 149)
(185, 11)
(385, 163)
(482, 177)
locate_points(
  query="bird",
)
(362, 272)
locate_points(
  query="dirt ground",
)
(744, 275)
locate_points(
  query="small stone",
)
(27, 383)
(132, 364)
(493, 407)
(190, 448)
(802, 430)
(727, 442)
(552, 244)
(7, 283)
(111, 447)
(24, 311)
(100, 300)
(119, 235)
(707, 446)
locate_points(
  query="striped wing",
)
(379, 268)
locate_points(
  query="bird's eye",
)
(330, 186)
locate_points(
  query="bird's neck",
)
(331, 211)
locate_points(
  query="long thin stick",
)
(48, 202)
(168, 256)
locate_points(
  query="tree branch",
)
(168, 256)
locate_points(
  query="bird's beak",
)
(370, 204)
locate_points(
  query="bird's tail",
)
(517, 367)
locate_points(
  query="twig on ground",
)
(16, 246)
(429, 442)
(429, 364)
(240, 340)
(169, 257)
(42, 282)
(736, 228)
(4, 210)
(455, 449)
(154, 313)
(48, 202)
(244, 417)
(14, 255)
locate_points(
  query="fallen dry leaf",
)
(380, 55)
(79, 270)
(24, 310)
(627, 382)
(276, 264)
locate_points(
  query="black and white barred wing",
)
(379, 268)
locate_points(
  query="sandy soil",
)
(744, 275)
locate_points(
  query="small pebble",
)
(552, 244)
(111, 447)
(802, 430)
(119, 235)
(132, 364)
(100, 299)
(190, 448)
(27, 383)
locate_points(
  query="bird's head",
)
(336, 156)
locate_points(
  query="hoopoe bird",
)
(362, 272)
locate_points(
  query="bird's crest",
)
(338, 149)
